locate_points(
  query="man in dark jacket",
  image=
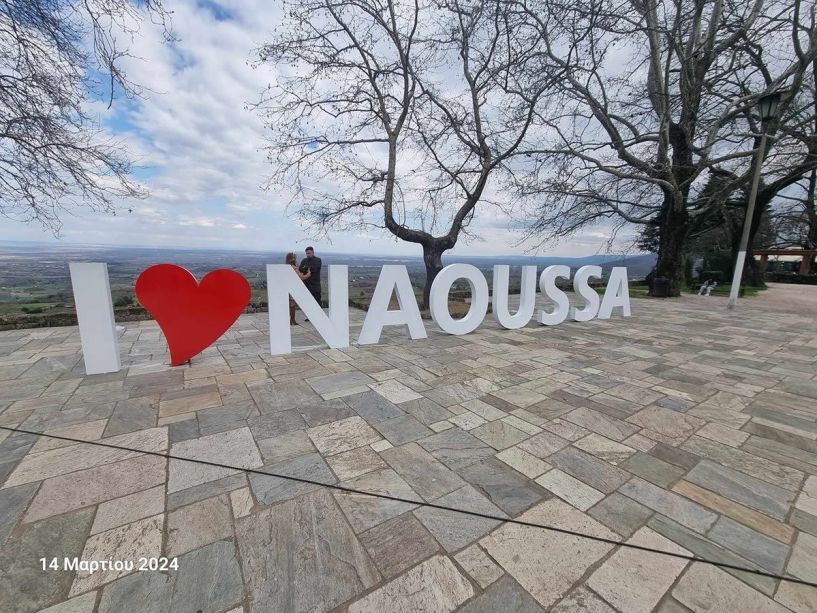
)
(313, 283)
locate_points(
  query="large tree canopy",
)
(400, 115)
(55, 57)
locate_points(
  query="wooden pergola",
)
(807, 256)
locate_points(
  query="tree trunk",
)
(670, 264)
(433, 258)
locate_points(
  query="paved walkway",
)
(685, 428)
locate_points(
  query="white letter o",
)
(439, 298)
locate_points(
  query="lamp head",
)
(767, 105)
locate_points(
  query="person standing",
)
(312, 264)
(293, 261)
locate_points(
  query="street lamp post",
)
(768, 110)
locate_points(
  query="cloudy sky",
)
(199, 151)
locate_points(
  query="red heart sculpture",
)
(192, 315)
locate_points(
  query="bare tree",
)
(401, 116)
(660, 98)
(55, 57)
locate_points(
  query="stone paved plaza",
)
(685, 428)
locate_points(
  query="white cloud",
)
(200, 154)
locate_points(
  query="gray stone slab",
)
(13, 502)
(208, 579)
(398, 544)
(704, 548)
(153, 591)
(271, 396)
(132, 415)
(309, 550)
(621, 514)
(206, 490)
(276, 424)
(339, 381)
(373, 407)
(24, 586)
(426, 476)
(600, 423)
(754, 493)
(589, 469)
(670, 504)
(325, 412)
(426, 411)
(179, 431)
(499, 435)
(454, 530)
(403, 429)
(509, 490)
(285, 447)
(219, 419)
(456, 448)
(274, 489)
(653, 469)
(364, 512)
(752, 545)
(504, 595)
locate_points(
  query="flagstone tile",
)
(78, 604)
(653, 469)
(547, 564)
(285, 446)
(398, 544)
(499, 434)
(56, 462)
(403, 429)
(455, 448)
(582, 599)
(339, 381)
(242, 502)
(749, 491)
(566, 430)
(152, 590)
(665, 425)
(142, 538)
(325, 411)
(13, 503)
(478, 565)
(434, 585)
(621, 514)
(509, 490)
(600, 423)
(206, 490)
(670, 504)
(750, 544)
(543, 445)
(301, 556)
(343, 435)
(589, 469)
(604, 448)
(198, 524)
(94, 485)
(394, 391)
(373, 407)
(749, 517)
(504, 595)
(363, 511)
(426, 476)
(707, 588)
(188, 402)
(706, 549)
(523, 462)
(519, 396)
(571, 490)
(124, 510)
(208, 579)
(425, 410)
(454, 530)
(234, 447)
(24, 587)
(89, 431)
(271, 396)
(268, 489)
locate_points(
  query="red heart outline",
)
(192, 315)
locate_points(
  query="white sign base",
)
(97, 329)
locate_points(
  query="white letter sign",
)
(527, 297)
(547, 285)
(583, 289)
(97, 329)
(616, 294)
(282, 282)
(439, 298)
(393, 278)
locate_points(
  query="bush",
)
(791, 277)
(123, 301)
